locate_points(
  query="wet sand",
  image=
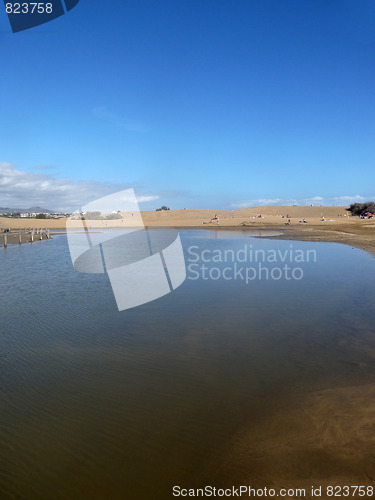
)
(359, 234)
(326, 438)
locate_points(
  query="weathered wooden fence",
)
(23, 235)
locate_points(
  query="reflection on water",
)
(102, 404)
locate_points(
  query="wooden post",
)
(40, 234)
(5, 240)
(48, 234)
(19, 238)
(32, 235)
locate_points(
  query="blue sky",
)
(194, 104)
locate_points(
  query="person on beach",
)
(216, 218)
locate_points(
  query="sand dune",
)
(270, 215)
(338, 225)
(196, 217)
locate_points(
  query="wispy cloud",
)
(22, 189)
(111, 118)
(354, 198)
(314, 200)
(45, 168)
(146, 198)
(335, 200)
(257, 202)
(176, 193)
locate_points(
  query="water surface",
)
(97, 403)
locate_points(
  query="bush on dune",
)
(114, 216)
(362, 208)
(92, 215)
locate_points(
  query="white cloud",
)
(20, 189)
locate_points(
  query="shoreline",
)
(323, 224)
(364, 242)
(358, 240)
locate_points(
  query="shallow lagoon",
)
(201, 386)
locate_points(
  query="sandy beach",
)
(337, 226)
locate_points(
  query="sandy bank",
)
(336, 227)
